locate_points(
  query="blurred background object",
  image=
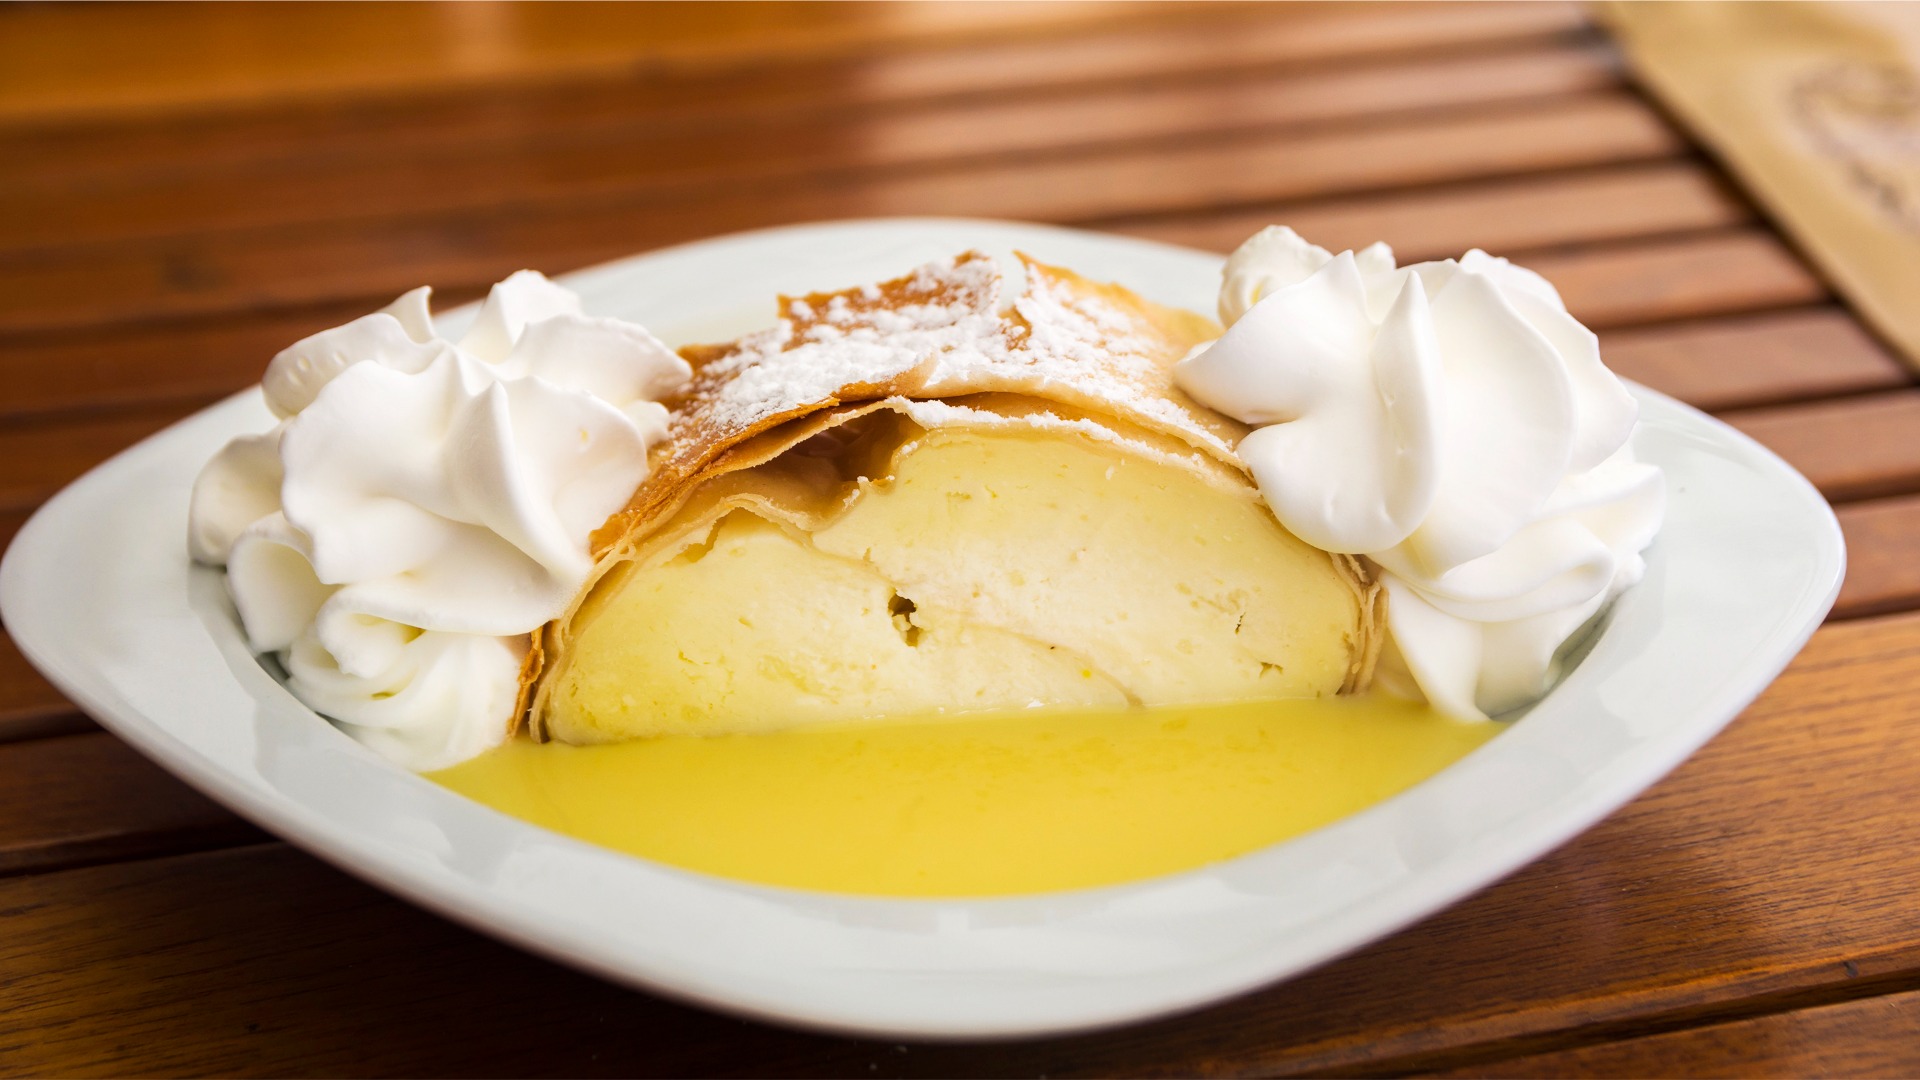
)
(1816, 109)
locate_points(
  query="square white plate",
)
(98, 592)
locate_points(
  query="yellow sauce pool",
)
(984, 805)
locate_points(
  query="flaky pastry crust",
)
(1067, 350)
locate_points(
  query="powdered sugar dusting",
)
(826, 343)
(939, 332)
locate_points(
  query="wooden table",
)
(185, 190)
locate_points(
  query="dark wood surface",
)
(184, 190)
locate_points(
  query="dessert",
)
(1024, 510)
(989, 555)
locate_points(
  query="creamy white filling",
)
(1451, 422)
(424, 505)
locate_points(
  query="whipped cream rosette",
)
(424, 505)
(1453, 424)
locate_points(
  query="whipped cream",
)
(424, 505)
(1452, 423)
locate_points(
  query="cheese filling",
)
(898, 570)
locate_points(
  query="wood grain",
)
(131, 366)
(1883, 557)
(198, 358)
(29, 706)
(1610, 285)
(682, 153)
(347, 128)
(38, 457)
(102, 64)
(1877, 1037)
(1657, 280)
(1777, 357)
(88, 799)
(1737, 879)
(282, 267)
(1855, 448)
(1504, 217)
(78, 68)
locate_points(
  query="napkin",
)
(1815, 107)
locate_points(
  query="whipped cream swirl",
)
(1452, 423)
(424, 505)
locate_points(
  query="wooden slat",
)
(694, 153)
(47, 725)
(1883, 557)
(39, 457)
(1737, 270)
(292, 266)
(90, 798)
(1879, 1036)
(197, 359)
(87, 798)
(1295, 37)
(67, 66)
(1729, 882)
(141, 365)
(1766, 359)
(1643, 280)
(29, 706)
(1503, 217)
(1854, 448)
(70, 67)
(119, 365)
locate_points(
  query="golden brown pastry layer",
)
(936, 344)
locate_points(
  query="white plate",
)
(98, 593)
